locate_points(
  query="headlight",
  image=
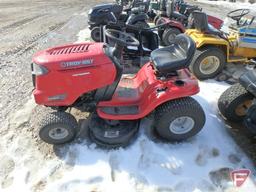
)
(90, 11)
(38, 69)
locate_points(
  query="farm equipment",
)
(88, 76)
(237, 103)
(102, 15)
(178, 21)
(216, 48)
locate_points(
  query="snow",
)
(235, 5)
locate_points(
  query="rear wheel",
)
(234, 103)
(160, 29)
(156, 18)
(58, 128)
(169, 35)
(179, 119)
(95, 34)
(207, 62)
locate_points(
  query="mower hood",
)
(70, 56)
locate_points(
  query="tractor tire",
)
(58, 128)
(234, 102)
(210, 70)
(169, 35)
(95, 34)
(156, 18)
(179, 119)
(160, 30)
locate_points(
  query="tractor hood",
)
(71, 56)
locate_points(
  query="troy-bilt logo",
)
(239, 176)
(76, 63)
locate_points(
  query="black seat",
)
(200, 22)
(174, 57)
(171, 13)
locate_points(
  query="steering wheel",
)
(238, 14)
(121, 38)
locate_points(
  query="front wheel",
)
(234, 103)
(179, 119)
(207, 62)
(58, 128)
(169, 35)
(95, 34)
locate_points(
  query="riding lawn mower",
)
(102, 14)
(216, 48)
(178, 21)
(88, 77)
(237, 103)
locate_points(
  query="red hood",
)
(70, 55)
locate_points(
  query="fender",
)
(173, 23)
(248, 81)
(133, 18)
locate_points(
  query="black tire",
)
(160, 30)
(95, 34)
(169, 35)
(156, 18)
(200, 55)
(231, 100)
(58, 120)
(187, 108)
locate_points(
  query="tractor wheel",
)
(58, 128)
(208, 62)
(156, 18)
(160, 30)
(169, 35)
(234, 103)
(95, 34)
(179, 119)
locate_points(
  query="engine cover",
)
(73, 70)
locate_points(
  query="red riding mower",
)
(179, 22)
(88, 76)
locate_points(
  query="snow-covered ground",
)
(202, 163)
(234, 5)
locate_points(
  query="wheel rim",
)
(96, 34)
(181, 125)
(243, 107)
(171, 38)
(209, 65)
(58, 133)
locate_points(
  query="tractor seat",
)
(171, 13)
(200, 23)
(178, 15)
(174, 57)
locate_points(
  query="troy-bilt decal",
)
(239, 176)
(76, 63)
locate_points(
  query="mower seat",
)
(200, 23)
(174, 57)
(171, 13)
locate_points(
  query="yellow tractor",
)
(215, 48)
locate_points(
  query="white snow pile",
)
(233, 5)
(200, 164)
